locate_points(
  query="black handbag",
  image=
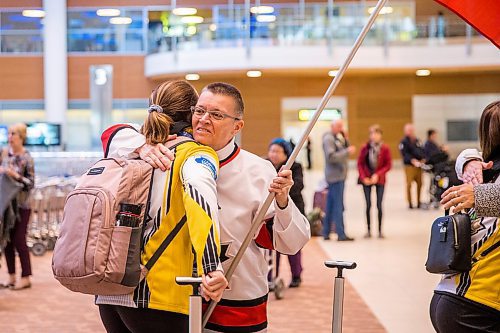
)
(450, 245)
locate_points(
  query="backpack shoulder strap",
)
(178, 141)
(166, 242)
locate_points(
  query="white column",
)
(55, 61)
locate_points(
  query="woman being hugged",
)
(185, 197)
(470, 301)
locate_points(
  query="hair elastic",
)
(155, 107)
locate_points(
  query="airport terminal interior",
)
(69, 69)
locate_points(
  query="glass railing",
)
(157, 29)
(313, 24)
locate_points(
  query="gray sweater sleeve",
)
(487, 200)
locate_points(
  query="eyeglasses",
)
(214, 115)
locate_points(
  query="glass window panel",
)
(88, 32)
(87, 20)
(21, 43)
(92, 42)
(134, 42)
(16, 21)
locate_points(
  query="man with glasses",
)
(243, 184)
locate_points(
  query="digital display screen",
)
(43, 134)
(4, 135)
(462, 130)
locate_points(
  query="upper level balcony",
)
(315, 36)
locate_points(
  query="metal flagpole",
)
(257, 221)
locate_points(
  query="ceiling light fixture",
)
(333, 73)
(120, 20)
(184, 11)
(266, 18)
(254, 73)
(192, 19)
(108, 12)
(262, 10)
(33, 13)
(423, 72)
(192, 77)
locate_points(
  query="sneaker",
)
(380, 235)
(295, 283)
(326, 238)
(345, 239)
(368, 235)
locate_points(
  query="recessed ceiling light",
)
(120, 20)
(192, 77)
(183, 11)
(33, 13)
(266, 18)
(108, 12)
(254, 73)
(333, 73)
(423, 72)
(192, 19)
(383, 11)
(262, 10)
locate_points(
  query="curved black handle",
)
(340, 265)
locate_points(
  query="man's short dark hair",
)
(226, 89)
(430, 132)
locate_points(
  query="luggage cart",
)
(276, 284)
(47, 202)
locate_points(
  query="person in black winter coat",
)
(278, 153)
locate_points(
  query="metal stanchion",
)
(195, 302)
(338, 292)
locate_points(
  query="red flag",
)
(483, 15)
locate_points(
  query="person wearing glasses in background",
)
(242, 185)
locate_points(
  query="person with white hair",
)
(337, 151)
(413, 157)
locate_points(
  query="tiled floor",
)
(390, 277)
(390, 287)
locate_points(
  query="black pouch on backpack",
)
(450, 245)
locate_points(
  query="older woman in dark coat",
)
(278, 153)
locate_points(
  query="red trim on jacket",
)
(231, 157)
(264, 238)
(238, 316)
(383, 166)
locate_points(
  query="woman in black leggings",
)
(122, 319)
(373, 163)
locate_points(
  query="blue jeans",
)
(335, 209)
